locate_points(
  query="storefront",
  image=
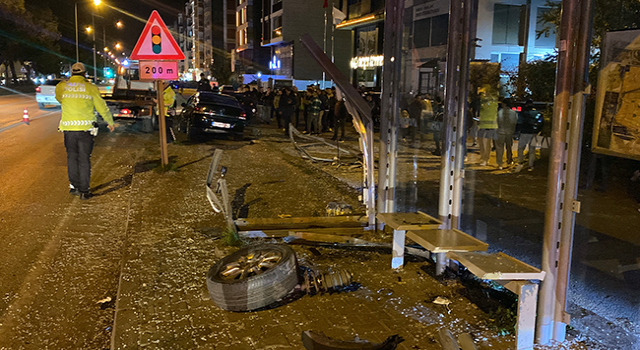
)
(366, 65)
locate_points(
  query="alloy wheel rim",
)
(252, 264)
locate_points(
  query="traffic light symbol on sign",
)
(156, 40)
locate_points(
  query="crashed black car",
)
(209, 112)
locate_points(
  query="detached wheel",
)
(253, 277)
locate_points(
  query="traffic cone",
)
(25, 116)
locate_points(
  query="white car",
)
(46, 93)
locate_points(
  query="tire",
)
(146, 125)
(238, 136)
(270, 284)
(154, 123)
(192, 133)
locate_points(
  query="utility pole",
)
(93, 24)
(390, 105)
(566, 136)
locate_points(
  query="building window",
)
(431, 31)
(506, 24)
(277, 6)
(277, 27)
(548, 38)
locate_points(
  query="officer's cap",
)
(78, 68)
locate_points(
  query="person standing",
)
(169, 100)
(276, 108)
(287, 106)
(529, 129)
(315, 106)
(507, 121)
(415, 113)
(340, 112)
(203, 83)
(487, 122)
(78, 97)
(267, 101)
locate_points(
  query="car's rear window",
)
(53, 82)
(213, 98)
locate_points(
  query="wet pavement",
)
(173, 239)
(148, 238)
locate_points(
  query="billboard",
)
(617, 120)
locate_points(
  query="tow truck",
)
(133, 99)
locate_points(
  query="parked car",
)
(212, 113)
(46, 93)
(537, 113)
(185, 88)
(227, 89)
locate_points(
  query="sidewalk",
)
(172, 240)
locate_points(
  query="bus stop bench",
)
(401, 223)
(514, 275)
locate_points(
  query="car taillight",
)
(519, 109)
(125, 111)
(38, 89)
(243, 116)
(513, 109)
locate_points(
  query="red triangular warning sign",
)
(156, 42)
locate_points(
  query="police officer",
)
(78, 98)
(169, 99)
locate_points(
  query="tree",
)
(28, 33)
(221, 67)
(608, 15)
(536, 80)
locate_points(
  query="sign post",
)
(158, 55)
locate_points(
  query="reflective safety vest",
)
(169, 97)
(79, 98)
(488, 116)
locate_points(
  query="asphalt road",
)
(59, 255)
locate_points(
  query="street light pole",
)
(77, 52)
(95, 69)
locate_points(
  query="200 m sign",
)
(153, 70)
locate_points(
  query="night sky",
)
(110, 11)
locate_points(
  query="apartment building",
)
(209, 25)
(506, 29)
(249, 56)
(284, 22)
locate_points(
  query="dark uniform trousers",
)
(79, 145)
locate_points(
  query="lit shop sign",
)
(366, 61)
(274, 63)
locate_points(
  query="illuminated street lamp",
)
(118, 46)
(119, 24)
(88, 29)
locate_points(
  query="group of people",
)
(496, 124)
(317, 110)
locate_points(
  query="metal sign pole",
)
(161, 122)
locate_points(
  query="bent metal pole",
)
(556, 177)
